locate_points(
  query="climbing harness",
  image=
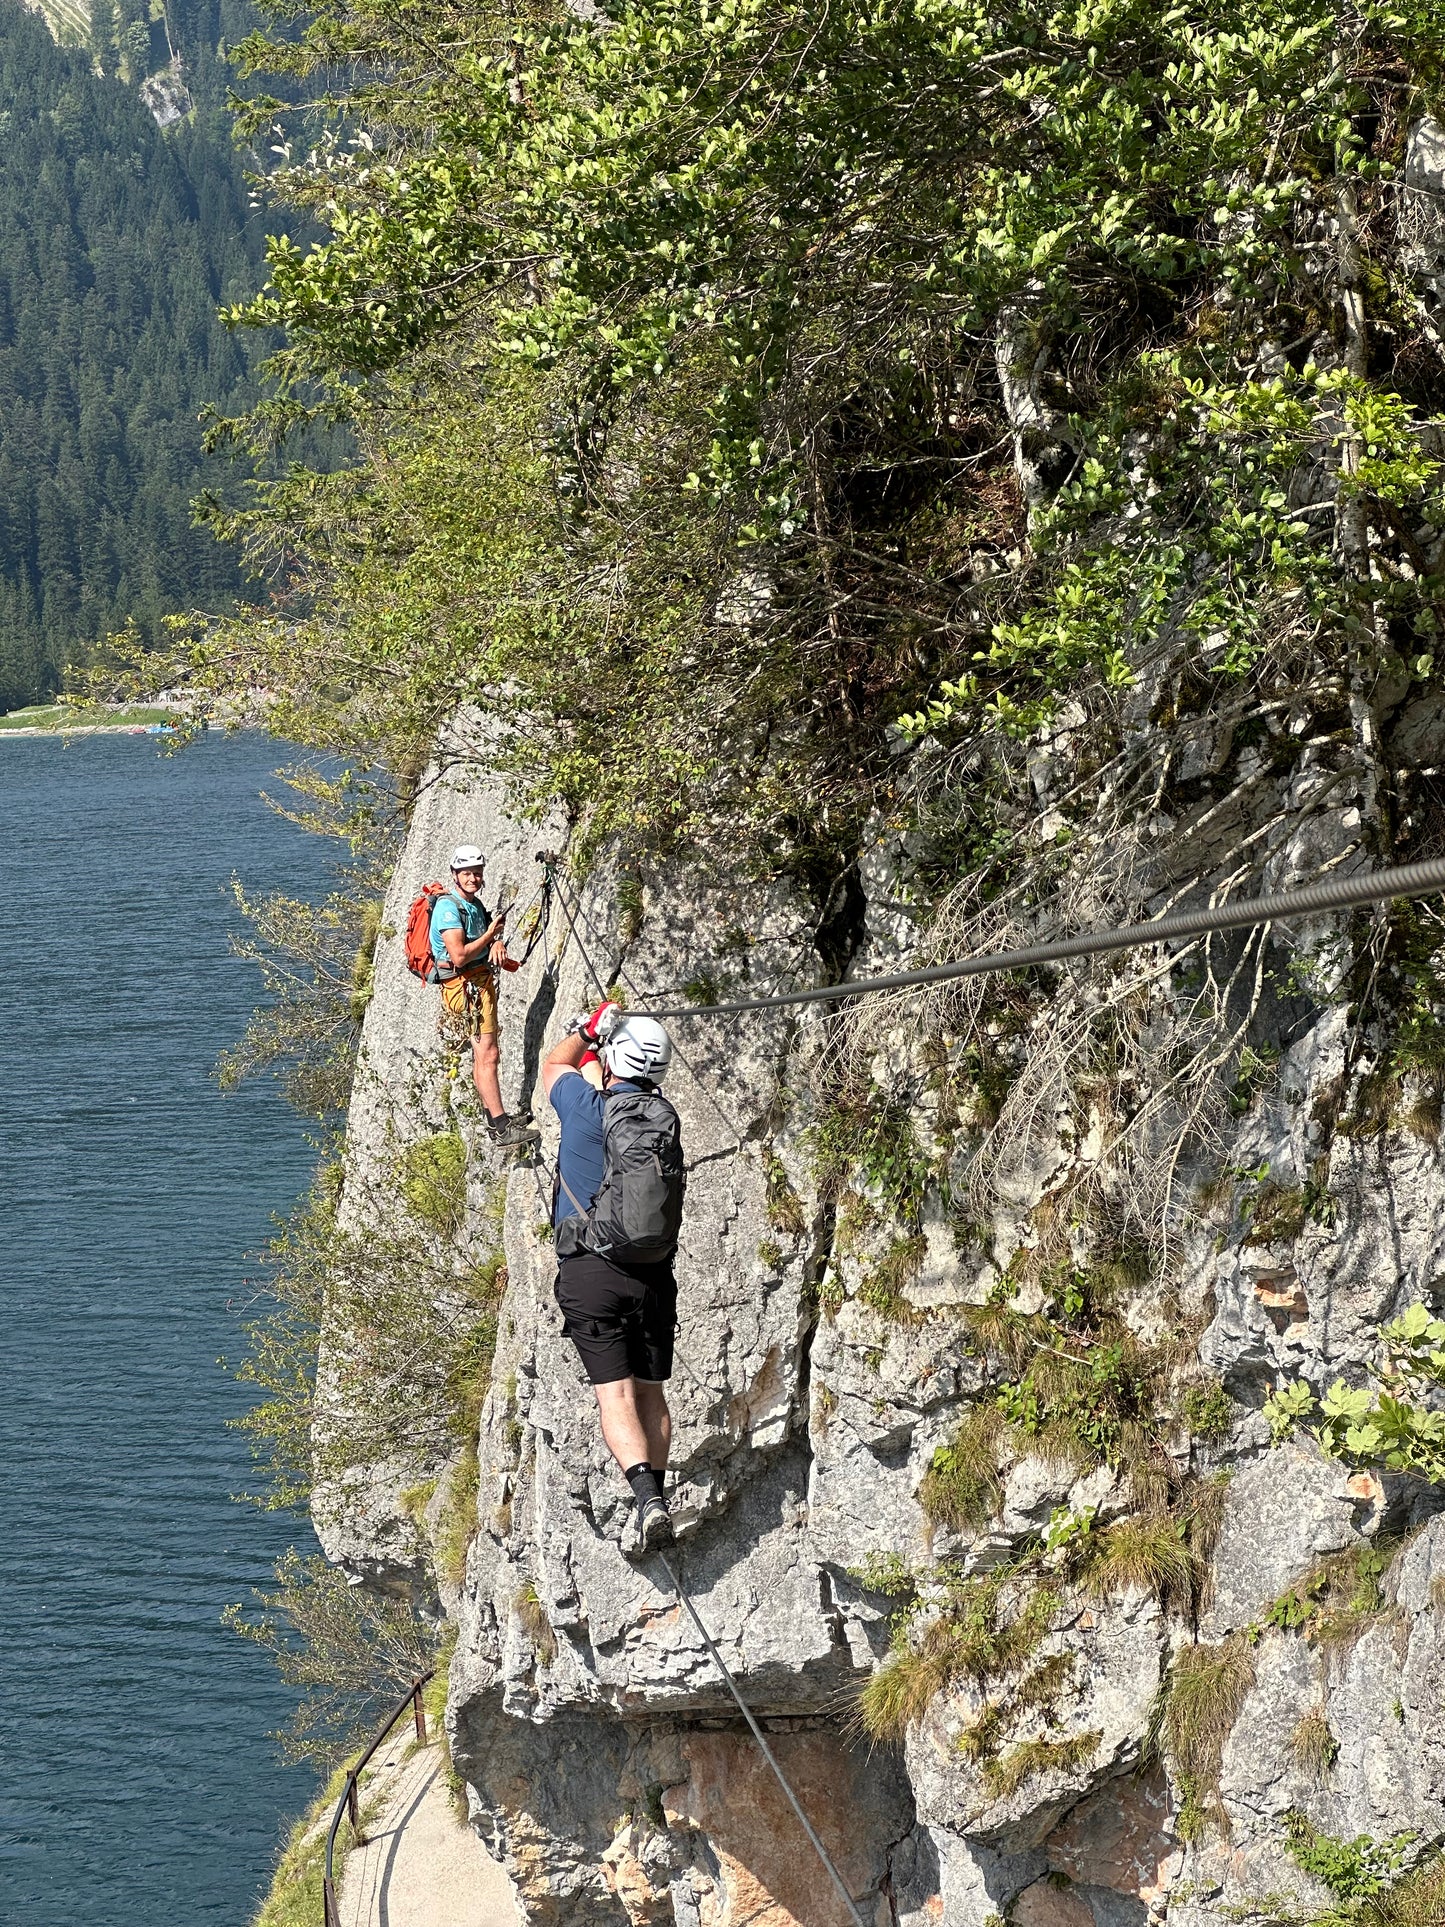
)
(1411, 880)
(763, 1747)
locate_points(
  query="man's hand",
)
(604, 1020)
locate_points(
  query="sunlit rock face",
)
(604, 1762)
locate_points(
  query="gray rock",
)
(604, 1758)
(1118, 1652)
(1282, 1512)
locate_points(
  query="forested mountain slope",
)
(117, 243)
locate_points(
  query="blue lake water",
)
(138, 1785)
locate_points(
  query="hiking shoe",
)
(654, 1525)
(508, 1131)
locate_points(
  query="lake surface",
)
(138, 1785)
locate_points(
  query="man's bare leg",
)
(486, 1059)
(656, 1423)
(623, 1430)
(637, 1429)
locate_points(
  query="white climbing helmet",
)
(467, 856)
(639, 1047)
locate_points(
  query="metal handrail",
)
(350, 1804)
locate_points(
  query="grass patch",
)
(1338, 1596)
(532, 1617)
(1277, 1213)
(784, 1209)
(1204, 1693)
(1313, 1745)
(1208, 1412)
(1418, 1900)
(989, 1627)
(883, 1288)
(1030, 1759)
(457, 1521)
(294, 1898)
(1148, 1552)
(963, 1486)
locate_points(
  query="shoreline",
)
(30, 730)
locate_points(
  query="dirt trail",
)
(420, 1866)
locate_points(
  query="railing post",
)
(350, 1804)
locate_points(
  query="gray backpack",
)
(636, 1215)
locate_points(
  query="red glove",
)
(602, 1022)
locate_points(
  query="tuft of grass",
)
(294, 1898)
(882, 1290)
(1277, 1214)
(963, 1487)
(416, 1499)
(784, 1208)
(1338, 1596)
(987, 1630)
(1313, 1745)
(532, 1616)
(1204, 1693)
(1416, 1901)
(1037, 1691)
(1147, 1552)
(1208, 1412)
(457, 1522)
(631, 906)
(903, 1689)
(1033, 1758)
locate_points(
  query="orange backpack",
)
(419, 959)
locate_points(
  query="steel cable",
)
(763, 1747)
(730, 1123)
(1411, 880)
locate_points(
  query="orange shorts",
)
(469, 1004)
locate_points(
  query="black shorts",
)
(622, 1322)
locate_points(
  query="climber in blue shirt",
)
(620, 1315)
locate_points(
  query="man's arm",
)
(462, 953)
(565, 1055)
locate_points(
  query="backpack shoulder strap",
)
(568, 1189)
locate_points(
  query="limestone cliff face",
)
(604, 1762)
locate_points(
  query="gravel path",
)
(420, 1867)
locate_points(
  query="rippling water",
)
(137, 1783)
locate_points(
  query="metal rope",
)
(729, 1122)
(763, 1747)
(572, 930)
(1412, 880)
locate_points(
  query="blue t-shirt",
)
(467, 914)
(581, 1155)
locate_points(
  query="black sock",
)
(644, 1482)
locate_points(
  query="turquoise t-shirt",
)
(467, 914)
